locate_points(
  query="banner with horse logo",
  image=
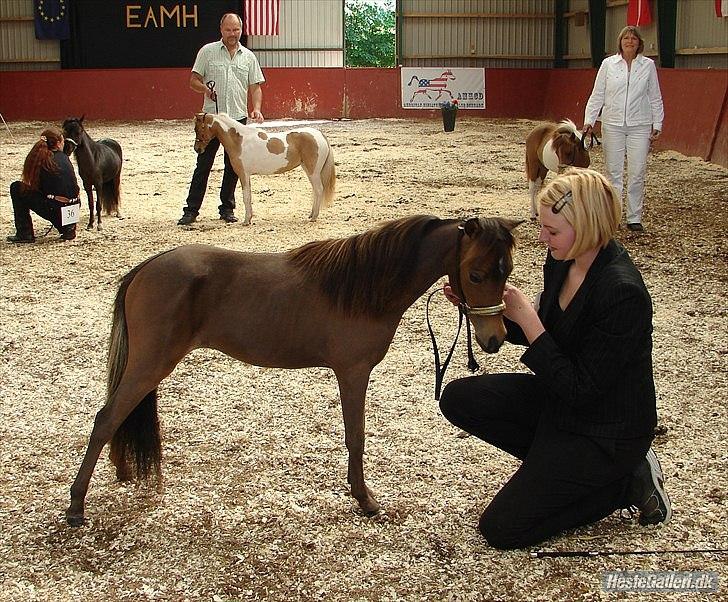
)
(430, 87)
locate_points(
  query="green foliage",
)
(369, 33)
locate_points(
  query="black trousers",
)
(565, 480)
(30, 200)
(198, 185)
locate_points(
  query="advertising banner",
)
(143, 33)
(430, 87)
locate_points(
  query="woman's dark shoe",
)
(651, 498)
(636, 227)
(21, 238)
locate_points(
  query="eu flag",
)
(51, 19)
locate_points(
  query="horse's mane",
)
(362, 274)
(566, 126)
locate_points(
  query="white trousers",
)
(634, 142)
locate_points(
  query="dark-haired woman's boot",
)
(20, 238)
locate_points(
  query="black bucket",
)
(448, 119)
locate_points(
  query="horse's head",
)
(203, 132)
(485, 262)
(568, 144)
(73, 133)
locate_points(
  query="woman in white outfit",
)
(627, 93)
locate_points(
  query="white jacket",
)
(626, 97)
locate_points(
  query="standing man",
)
(234, 70)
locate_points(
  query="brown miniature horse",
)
(552, 147)
(333, 303)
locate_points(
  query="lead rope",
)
(440, 368)
(473, 365)
(590, 553)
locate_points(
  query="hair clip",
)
(559, 205)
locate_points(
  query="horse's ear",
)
(472, 227)
(510, 224)
(80, 119)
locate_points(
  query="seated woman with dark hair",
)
(48, 183)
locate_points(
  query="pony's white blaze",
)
(256, 151)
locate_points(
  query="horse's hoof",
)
(90, 227)
(75, 520)
(369, 506)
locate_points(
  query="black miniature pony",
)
(99, 165)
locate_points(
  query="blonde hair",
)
(634, 31)
(593, 208)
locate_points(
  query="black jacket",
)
(63, 182)
(595, 358)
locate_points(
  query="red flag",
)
(638, 13)
(261, 17)
(721, 8)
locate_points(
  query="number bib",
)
(70, 214)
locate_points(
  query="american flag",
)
(261, 17)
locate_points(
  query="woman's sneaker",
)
(652, 502)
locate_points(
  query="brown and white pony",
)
(552, 147)
(255, 151)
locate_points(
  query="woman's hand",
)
(586, 130)
(518, 306)
(449, 295)
(520, 309)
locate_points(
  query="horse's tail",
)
(137, 441)
(328, 177)
(111, 190)
(111, 195)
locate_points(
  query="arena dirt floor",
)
(255, 504)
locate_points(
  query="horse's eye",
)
(476, 278)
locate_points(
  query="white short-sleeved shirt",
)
(232, 77)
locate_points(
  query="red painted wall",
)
(696, 117)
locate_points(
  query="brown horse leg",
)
(107, 421)
(98, 205)
(90, 195)
(352, 388)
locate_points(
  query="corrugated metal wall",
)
(311, 35)
(477, 33)
(459, 33)
(19, 50)
(701, 37)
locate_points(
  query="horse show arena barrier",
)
(696, 113)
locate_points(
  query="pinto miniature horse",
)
(254, 151)
(99, 165)
(332, 303)
(552, 147)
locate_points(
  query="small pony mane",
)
(566, 126)
(363, 274)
